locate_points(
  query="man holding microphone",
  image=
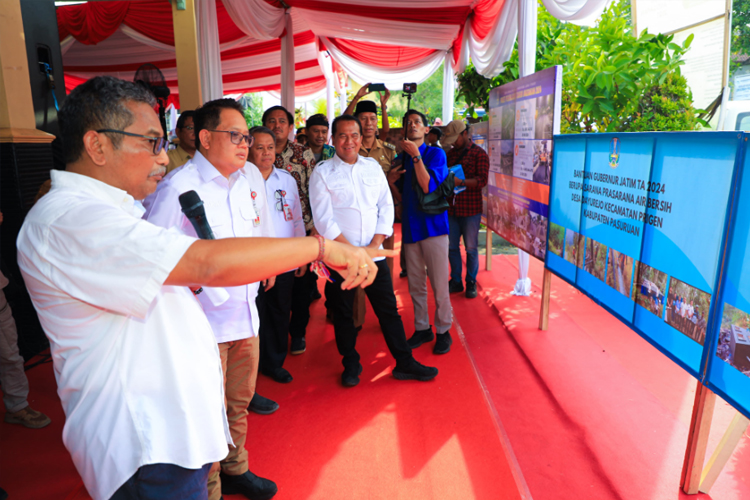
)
(137, 365)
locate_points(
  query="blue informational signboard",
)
(728, 371)
(639, 222)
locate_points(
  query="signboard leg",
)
(488, 250)
(723, 451)
(700, 425)
(544, 310)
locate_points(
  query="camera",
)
(410, 88)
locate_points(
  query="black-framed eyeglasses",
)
(236, 137)
(280, 201)
(159, 143)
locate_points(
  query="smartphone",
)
(376, 87)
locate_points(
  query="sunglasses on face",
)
(159, 143)
(236, 137)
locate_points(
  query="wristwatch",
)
(417, 158)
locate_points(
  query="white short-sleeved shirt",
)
(353, 200)
(235, 207)
(136, 363)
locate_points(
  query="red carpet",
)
(589, 407)
(384, 439)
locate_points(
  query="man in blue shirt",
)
(425, 237)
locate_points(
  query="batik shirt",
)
(299, 161)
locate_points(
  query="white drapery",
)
(490, 53)
(325, 63)
(581, 12)
(209, 52)
(393, 78)
(256, 18)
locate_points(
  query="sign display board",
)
(638, 222)
(729, 359)
(523, 117)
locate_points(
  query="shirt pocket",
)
(248, 215)
(371, 187)
(342, 194)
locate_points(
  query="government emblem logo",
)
(614, 152)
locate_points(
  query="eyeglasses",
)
(236, 137)
(280, 201)
(159, 142)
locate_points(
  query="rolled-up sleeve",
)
(322, 207)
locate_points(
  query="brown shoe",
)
(28, 418)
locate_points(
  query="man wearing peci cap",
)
(465, 208)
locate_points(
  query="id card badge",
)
(256, 220)
(287, 213)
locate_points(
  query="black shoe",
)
(471, 290)
(262, 406)
(249, 485)
(456, 286)
(280, 375)
(299, 345)
(420, 337)
(316, 294)
(402, 274)
(413, 370)
(443, 343)
(350, 377)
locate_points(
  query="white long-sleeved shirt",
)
(136, 363)
(235, 207)
(353, 200)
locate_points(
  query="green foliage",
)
(740, 30)
(253, 104)
(665, 107)
(609, 76)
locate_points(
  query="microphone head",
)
(190, 201)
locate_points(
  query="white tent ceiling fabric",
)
(261, 21)
(581, 12)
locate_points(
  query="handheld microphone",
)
(192, 207)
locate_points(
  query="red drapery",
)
(450, 15)
(92, 22)
(375, 54)
(485, 16)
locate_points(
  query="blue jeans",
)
(165, 481)
(468, 227)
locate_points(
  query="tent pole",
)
(287, 65)
(186, 52)
(527, 13)
(449, 87)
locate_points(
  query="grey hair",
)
(96, 104)
(262, 130)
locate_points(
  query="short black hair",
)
(96, 104)
(438, 133)
(208, 116)
(299, 130)
(317, 119)
(345, 118)
(262, 130)
(270, 110)
(183, 118)
(415, 112)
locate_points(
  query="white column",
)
(527, 11)
(209, 51)
(449, 87)
(287, 65)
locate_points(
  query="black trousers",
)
(383, 301)
(301, 299)
(273, 309)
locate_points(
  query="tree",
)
(609, 76)
(740, 30)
